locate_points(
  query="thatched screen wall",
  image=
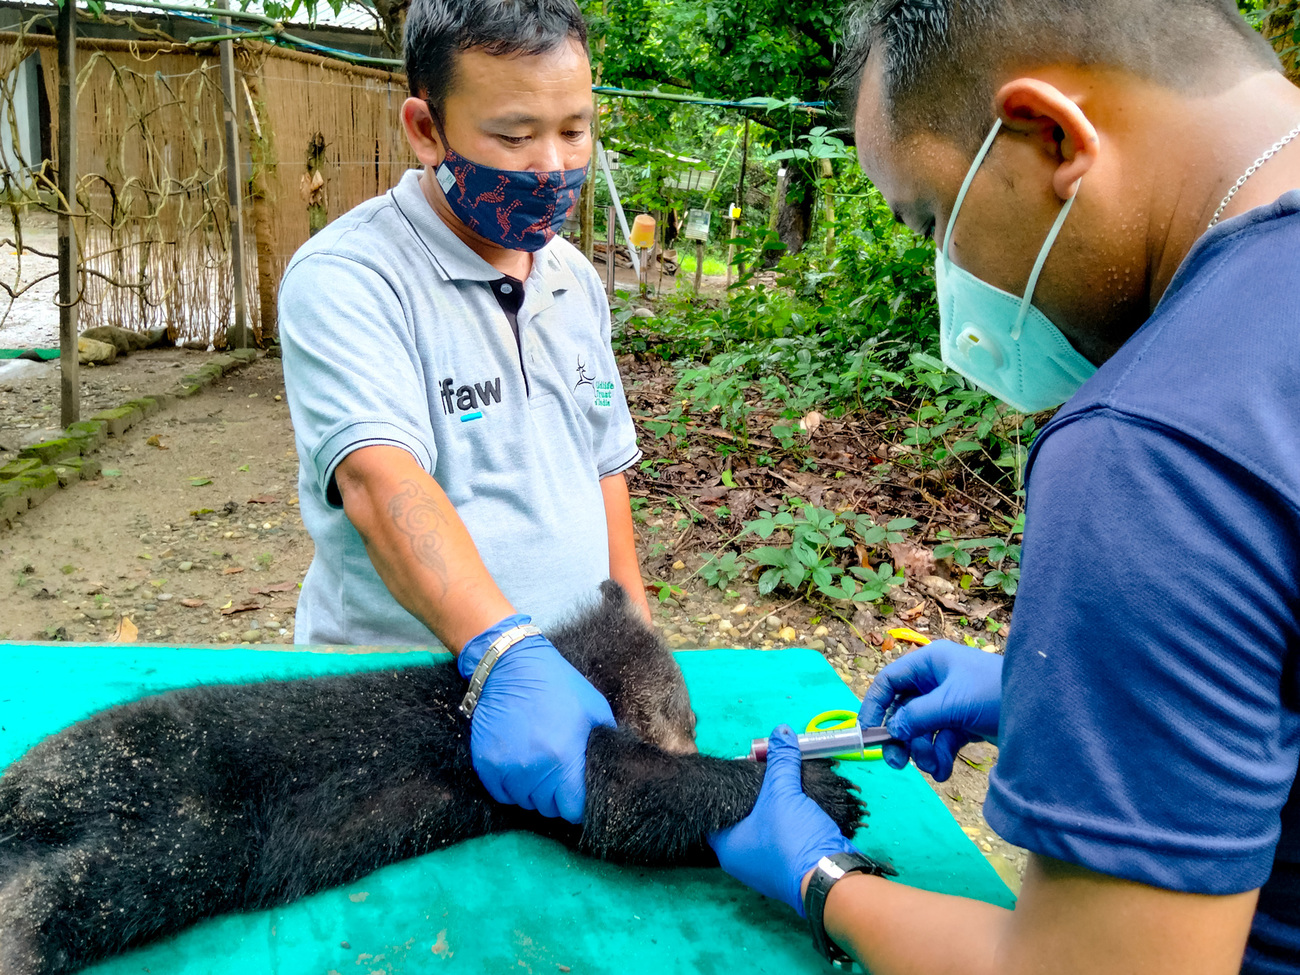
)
(318, 137)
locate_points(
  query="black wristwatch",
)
(825, 875)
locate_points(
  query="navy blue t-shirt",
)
(1150, 724)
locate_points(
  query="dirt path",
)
(149, 543)
(199, 540)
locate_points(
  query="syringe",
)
(828, 744)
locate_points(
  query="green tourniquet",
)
(512, 903)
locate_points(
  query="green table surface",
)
(514, 902)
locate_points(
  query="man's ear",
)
(1035, 108)
(421, 133)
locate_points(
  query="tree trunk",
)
(793, 214)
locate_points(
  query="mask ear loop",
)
(1027, 302)
(965, 185)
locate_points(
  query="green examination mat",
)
(514, 902)
(44, 355)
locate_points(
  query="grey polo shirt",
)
(392, 335)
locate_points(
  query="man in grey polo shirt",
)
(460, 422)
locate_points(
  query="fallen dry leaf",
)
(886, 644)
(192, 603)
(126, 631)
(231, 570)
(913, 612)
(156, 441)
(916, 561)
(241, 608)
(273, 589)
(262, 499)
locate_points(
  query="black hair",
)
(438, 30)
(942, 58)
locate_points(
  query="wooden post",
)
(611, 246)
(731, 249)
(263, 155)
(699, 264)
(69, 380)
(238, 337)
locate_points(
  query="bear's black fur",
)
(145, 817)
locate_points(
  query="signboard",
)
(700, 180)
(697, 224)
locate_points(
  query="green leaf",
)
(771, 555)
(901, 524)
(111, 472)
(243, 467)
(200, 481)
(768, 581)
(727, 479)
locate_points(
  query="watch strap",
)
(494, 652)
(828, 872)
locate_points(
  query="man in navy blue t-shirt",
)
(1114, 188)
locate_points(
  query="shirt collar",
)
(455, 260)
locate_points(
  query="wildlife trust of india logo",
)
(603, 389)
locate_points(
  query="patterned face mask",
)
(520, 210)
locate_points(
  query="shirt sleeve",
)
(1147, 727)
(351, 368)
(613, 432)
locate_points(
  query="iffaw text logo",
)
(467, 400)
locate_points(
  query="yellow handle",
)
(837, 720)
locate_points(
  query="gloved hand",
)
(952, 695)
(786, 833)
(528, 735)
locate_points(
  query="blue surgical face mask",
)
(998, 341)
(520, 210)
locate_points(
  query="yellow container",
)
(643, 230)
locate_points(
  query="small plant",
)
(721, 570)
(810, 563)
(265, 559)
(666, 590)
(1000, 556)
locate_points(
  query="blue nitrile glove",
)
(950, 695)
(786, 833)
(528, 736)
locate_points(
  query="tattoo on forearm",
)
(417, 516)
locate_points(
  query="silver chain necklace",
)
(1268, 154)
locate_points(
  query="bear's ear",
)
(614, 594)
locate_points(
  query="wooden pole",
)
(740, 189)
(611, 246)
(69, 380)
(731, 251)
(238, 337)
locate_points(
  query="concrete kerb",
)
(42, 468)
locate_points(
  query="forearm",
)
(894, 929)
(418, 544)
(624, 566)
(1068, 920)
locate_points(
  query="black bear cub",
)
(148, 816)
